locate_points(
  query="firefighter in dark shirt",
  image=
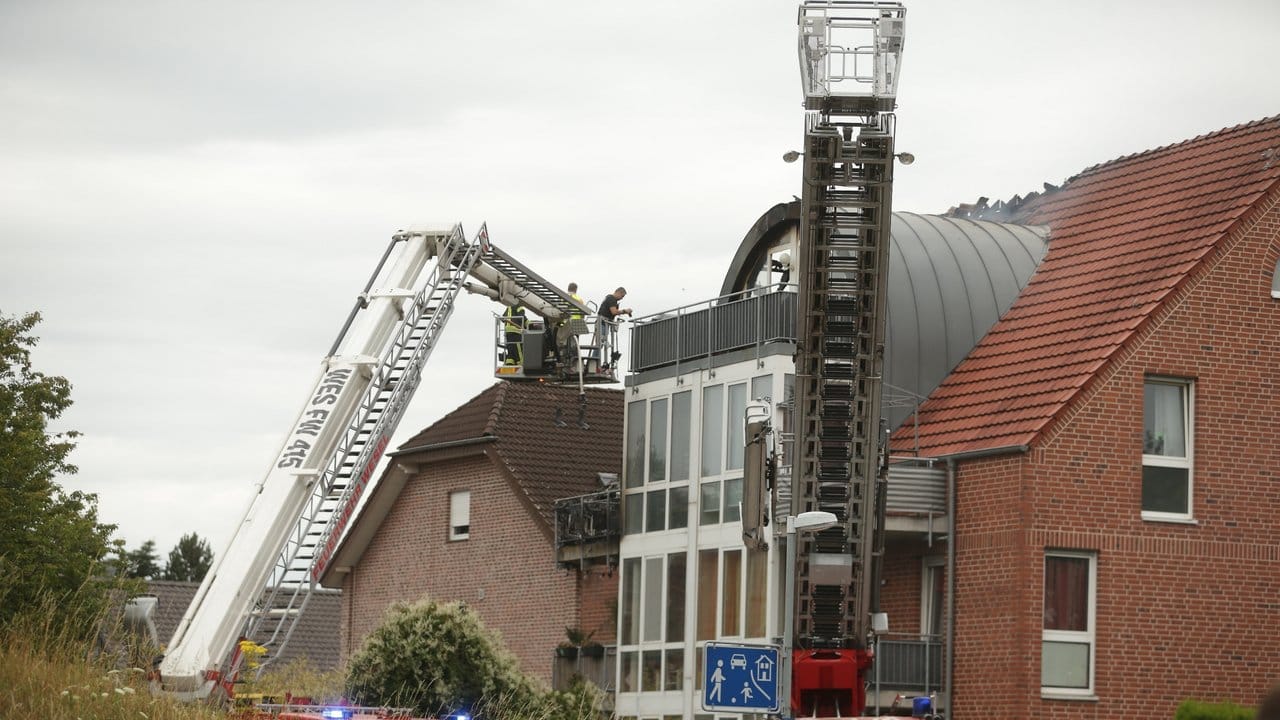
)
(609, 314)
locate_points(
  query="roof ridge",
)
(1162, 148)
(491, 423)
(1133, 236)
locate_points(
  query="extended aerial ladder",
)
(849, 56)
(262, 582)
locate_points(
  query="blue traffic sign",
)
(742, 678)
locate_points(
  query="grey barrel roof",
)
(950, 280)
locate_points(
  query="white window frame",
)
(1074, 636)
(1171, 461)
(931, 564)
(459, 515)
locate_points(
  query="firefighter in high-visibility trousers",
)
(513, 325)
(566, 344)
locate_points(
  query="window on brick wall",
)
(1167, 413)
(1067, 647)
(933, 597)
(460, 515)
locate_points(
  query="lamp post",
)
(808, 522)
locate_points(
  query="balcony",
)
(905, 665)
(744, 321)
(599, 668)
(588, 528)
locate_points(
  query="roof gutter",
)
(444, 445)
(984, 452)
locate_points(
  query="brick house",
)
(1093, 374)
(464, 512)
(1112, 445)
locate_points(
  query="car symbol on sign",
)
(738, 661)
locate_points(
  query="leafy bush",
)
(438, 658)
(435, 658)
(1198, 710)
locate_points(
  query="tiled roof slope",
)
(1123, 236)
(472, 419)
(546, 460)
(315, 637)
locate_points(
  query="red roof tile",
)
(1123, 236)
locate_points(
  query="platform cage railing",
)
(850, 53)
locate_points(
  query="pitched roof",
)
(315, 636)
(1124, 235)
(546, 460)
(516, 424)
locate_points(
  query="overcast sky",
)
(194, 193)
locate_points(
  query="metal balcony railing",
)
(748, 319)
(908, 664)
(588, 528)
(599, 668)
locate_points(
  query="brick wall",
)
(1183, 610)
(991, 639)
(901, 579)
(505, 570)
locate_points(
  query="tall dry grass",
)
(60, 660)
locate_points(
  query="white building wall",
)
(729, 593)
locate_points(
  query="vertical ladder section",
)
(848, 175)
(341, 484)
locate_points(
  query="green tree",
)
(51, 542)
(190, 559)
(143, 562)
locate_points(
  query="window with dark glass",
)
(675, 597)
(635, 444)
(1166, 448)
(681, 427)
(732, 500)
(708, 598)
(678, 508)
(732, 613)
(735, 439)
(655, 510)
(653, 602)
(712, 430)
(658, 440)
(630, 602)
(709, 503)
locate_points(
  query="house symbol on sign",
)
(764, 669)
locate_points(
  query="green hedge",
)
(1197, 710)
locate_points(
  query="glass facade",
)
(686, 577)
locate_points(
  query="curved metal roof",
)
(950, 280)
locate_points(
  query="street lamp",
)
(791, 156)
(806, 522)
